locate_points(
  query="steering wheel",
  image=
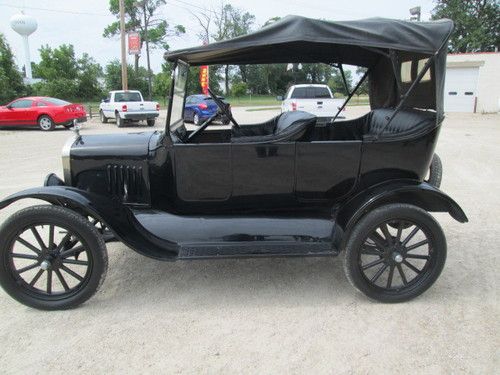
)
(201, 128)
(223, 107)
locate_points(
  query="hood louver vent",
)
(125, 181)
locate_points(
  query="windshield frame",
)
(179, 122)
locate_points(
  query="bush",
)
(62, 88)
(239, 89)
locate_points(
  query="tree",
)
(65, 76)
(11, 81)
(159, 31)
(336, 82)
(239, 89)
(89, 72)
(231, 22)
(137, 80)
(57, 63)
(162, 81)
(477, 24)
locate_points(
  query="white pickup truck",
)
(313, 98)
(127, 106)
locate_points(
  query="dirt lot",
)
(270, 315)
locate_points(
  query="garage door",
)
(460, 89)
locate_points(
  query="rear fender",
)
(413, 192)
(112, 213)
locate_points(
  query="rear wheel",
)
(45, 123)
(119, 121)
(51, 257)
(435, 172)
(104, 119)
(395, 253)
(151, 122)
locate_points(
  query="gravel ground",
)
(269, 315)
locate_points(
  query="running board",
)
(214, 236)
(254, 249)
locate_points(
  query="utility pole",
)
(146, 38)
(122, 39)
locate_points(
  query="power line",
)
(55, 10)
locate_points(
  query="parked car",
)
(41, 111)
(313, 98)
(283, 187)
(128, 106)
(199, 108)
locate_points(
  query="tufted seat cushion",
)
(289, 126)
(406, 120)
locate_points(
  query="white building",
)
(472, 82)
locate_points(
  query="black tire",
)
(435, 172)
(376, 276)
(119, 121)
(56, 265)
(45, 123)
(104, 119)
(196, 119)
(151, 122)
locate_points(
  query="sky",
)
(81, 23)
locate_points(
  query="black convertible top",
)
(301, 39)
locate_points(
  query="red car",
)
(41, 111)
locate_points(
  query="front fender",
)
(413, 192)
(116, 216)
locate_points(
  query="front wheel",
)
(395, 253)
(196, 119)
(45, 123)
(51, 257)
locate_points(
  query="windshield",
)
(56, 101)
(128, 97)
(177, 102)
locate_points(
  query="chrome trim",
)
(66, 159)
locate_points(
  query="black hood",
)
(113, 145)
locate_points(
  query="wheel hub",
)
(397, 257)
(45, 265)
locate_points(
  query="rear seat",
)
(288, 126)
(406, 121)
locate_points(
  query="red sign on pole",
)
(204, 79)
(134, 43)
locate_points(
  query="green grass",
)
(262, 109)
(252, 100)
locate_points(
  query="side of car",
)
(43, 112)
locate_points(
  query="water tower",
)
(24, 25)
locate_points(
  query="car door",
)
(203, 172)
(20, 112)
(263, 174)
(188, 108)
(106, 107)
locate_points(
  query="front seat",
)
(288, 126)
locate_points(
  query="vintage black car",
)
(286, 187)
